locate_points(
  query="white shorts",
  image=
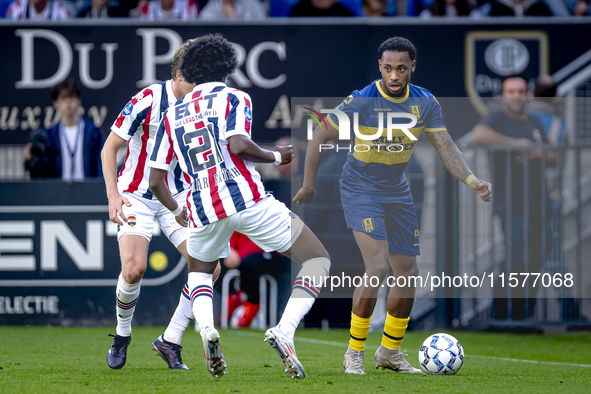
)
(143, 213)
(268, 223)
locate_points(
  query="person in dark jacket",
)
(71, 149)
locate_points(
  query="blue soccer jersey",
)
(374, 171)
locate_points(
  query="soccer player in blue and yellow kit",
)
(376, 199)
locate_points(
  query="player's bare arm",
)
(313, 158)
(160, 190)
(454, 161)
(109, 160)
(246, 149)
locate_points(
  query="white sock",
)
(127, 297)
(306, 289)
(180, 320)
(201, 293)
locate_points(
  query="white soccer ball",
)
(441, 354)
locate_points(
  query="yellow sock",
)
(359, 330)
(394, 330)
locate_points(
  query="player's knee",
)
(133, 272)
(409, 268)
(379, 270)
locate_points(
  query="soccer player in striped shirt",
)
(209, 131)
(135, 210)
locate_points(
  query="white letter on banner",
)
(28, 80)
(12, 245)
(252, 64)
(84, 65)
(57, 231)
(149, 57)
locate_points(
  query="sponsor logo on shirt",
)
(128, 108)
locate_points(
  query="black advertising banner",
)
(278, 60)
(59, 263)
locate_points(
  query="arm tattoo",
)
(450, 155)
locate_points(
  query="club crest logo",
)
(415, 110)
(368, 225)
(492, 55)
(131, 219)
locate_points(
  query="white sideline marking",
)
(515, 360)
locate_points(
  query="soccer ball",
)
(441, 354)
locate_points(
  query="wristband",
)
(470, 179)
(277, 158)
(178, 210)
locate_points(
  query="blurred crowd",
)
(163, 10)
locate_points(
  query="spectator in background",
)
(581, 8)
(520, 8)
(168, 10)
(99, 9)
(233, 10)
(320, 8)
(374, 8)
(71, 149)
(542, 108)
(38, 10)
(450, 8)
(513, 127)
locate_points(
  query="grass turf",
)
(72, 360)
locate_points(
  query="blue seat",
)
(4, 8)
(282, 8)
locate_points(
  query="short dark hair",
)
(70, 86)
(209, 58)
(545, 87)
(399, 44)
(519, 76)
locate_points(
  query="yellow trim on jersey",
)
(336, 126)
(392, 99)
(364, 151)
(433, 129)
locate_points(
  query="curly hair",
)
(178, 56)
(399, 44)
(209, 58)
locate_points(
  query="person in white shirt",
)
(71, 149)
(38, 10)
(234, 9)
(164, 10)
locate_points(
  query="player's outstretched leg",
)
(201, 294)
(308, 251)
(168, 345)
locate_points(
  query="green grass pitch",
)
(72, 360)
